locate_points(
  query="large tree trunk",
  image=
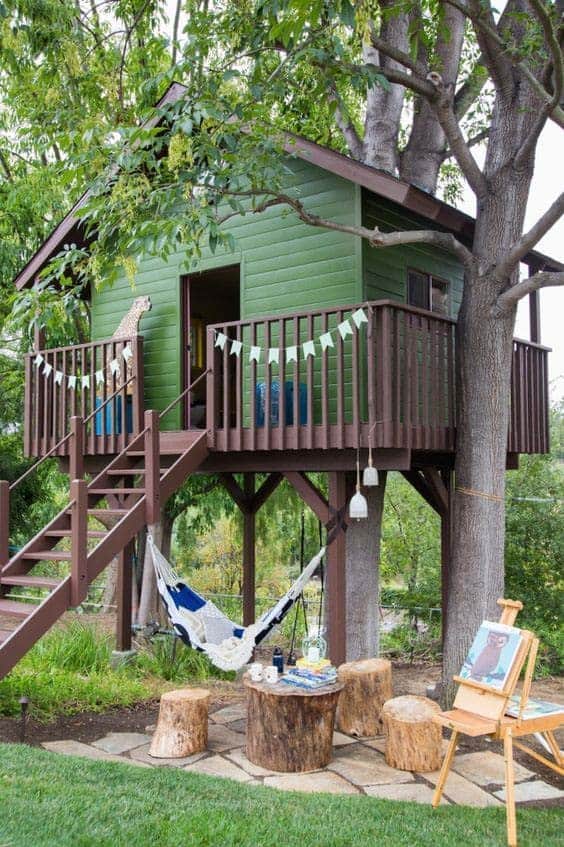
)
(363, 577)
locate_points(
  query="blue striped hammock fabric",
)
(201, 625)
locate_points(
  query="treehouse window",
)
(427, 292)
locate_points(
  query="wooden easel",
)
(479, 709)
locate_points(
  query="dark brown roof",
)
(383, 184)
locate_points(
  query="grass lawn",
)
(58, 801)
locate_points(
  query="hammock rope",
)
(201, 625)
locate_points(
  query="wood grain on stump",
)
(413, 740)
(290, 729)
(368, 684)
(182, 726)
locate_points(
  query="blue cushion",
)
(186, 597)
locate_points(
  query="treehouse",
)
(288, 354)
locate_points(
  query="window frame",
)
(430, 278)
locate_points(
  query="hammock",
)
(201, 625)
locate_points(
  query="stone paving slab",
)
(535, 790)
(228, 714)
(141, 754)
(240, 759)
(461, 791)
(86, 751)
(412, 792)
(363, 766)
(221, 738)
(487, 768)
(121, 742)
(340, 739)
(219, 766)
(311, 783)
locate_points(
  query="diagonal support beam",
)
(429, 492)
(268, 487)
(234, 489)
(311, 495)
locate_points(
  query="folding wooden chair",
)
(480, 709)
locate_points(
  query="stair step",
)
(49, 556)
(101, 513)
(30, 581)
(134, 472)
(5, 634)
(18, 610)
(66, 533)
(116, 491)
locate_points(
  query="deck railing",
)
(391, 383)
(50, 402)
(391, 380)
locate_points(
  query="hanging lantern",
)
(370, 475)
(358, 507)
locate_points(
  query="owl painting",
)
(492, 654)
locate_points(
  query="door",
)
(209, 297)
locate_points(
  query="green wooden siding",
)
(286, 266)
(385, 270)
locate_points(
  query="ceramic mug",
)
(271, 674)
(256, 671)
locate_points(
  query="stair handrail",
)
(183, 394)
(69, 434)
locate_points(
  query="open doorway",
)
(209, 297)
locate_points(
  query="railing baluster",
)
(282, 384)
(91, 435)
(253, 376)
(310, 386)
(79, 553)
(28, 407)
(340, 385)
(267, 386)
(324, 388)
(239, 393)
(226, 394)
(76, 448)
(138, 385)
(296, 390)
(152, 468)
(396, 376)
(355, 400)
(211, 380)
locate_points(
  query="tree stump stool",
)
(367, 686)
(413, 740)
(290, 729)
(182, 726)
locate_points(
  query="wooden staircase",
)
(125, 496)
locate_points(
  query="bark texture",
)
(290, 729)
(363, 577)
(368, 685)
(413, 741)
(182, 727)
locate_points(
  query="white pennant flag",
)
(99, 377)
(127, 353)
(345, 329)
(359, 317)
(58, 377)
(308, 348)
(71, 382)
(273, 356)
(254, 355)
(114, 367)
(220, 340)
(236, 348)
(291, 354)
(326, 340)
(38, 360)
(47, 370)
(85, 381)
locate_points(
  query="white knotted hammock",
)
(201, 625)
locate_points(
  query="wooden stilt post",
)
(249, 527)
(152, 468)
(124, 598)
(446, 531)
(79, 551)
(76, 453)
(4, 522)
(336, 575)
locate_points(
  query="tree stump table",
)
(290, 729)
(182, 726)
(413, 740)
(367, 686)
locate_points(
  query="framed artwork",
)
(534, 708)
(492, 654)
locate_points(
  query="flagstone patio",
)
(358, 766)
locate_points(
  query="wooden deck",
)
(390, 383)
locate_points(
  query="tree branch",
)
(511, 296)
(345, 124)
(528, 240)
